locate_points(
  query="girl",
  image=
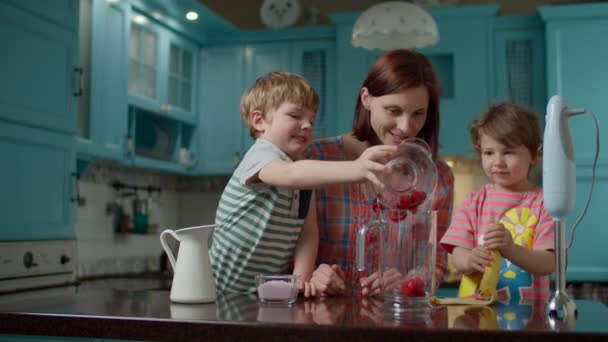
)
(508, 214)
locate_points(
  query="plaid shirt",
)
(343, 208)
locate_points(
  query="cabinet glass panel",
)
(142, 61)
(520, 73)
(180, 75)
(314, 70)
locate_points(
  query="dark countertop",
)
(146, 314)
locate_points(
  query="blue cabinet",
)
(140, 81)
(463, 60)
(221, 128)
(519, 51)
(577, 70)
(60, 12)
(103, 109)
(161, 69)
(39, 67)
(38, 183)
(39, 95)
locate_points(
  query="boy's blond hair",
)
(271, 90)
(509, 124)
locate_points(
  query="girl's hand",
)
(328, 280)
(372, 161)
(479, 259)
(497, 237)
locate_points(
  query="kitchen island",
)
(149, 315)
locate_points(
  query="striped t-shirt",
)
(257, 225)
(523, 214)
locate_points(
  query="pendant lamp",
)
(395, 24)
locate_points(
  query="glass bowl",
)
(277, 289)
(411, 177)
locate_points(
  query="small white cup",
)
(187, 158)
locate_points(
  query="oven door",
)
(37, 264)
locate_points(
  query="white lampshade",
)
(394, 24)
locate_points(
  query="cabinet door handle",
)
(78, 71)
(78, 199)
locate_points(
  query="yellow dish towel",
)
(476, 289)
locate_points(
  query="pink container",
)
(279, 289)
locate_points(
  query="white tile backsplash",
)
(101, 251)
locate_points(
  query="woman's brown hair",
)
(394, 72)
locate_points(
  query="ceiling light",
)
(140, 19)
(394, 24)
(157, 15)
(191, 15)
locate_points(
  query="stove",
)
(26, 265)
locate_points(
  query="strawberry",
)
(397, 215)
(404, 202)
(411, 201)
(377, 206)
(414, 287)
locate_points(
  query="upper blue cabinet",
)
(577, 70)
(102, 114)
(462, 59)
(61, 12)
(162, 69)
(40, 89)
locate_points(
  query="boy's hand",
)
(479, 259)
(328, 280)
(373, 161)
(498, 238)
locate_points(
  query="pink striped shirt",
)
(523, 214)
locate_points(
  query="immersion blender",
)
(559, 192)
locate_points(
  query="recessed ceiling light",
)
(192, 15)
(140, 19)
(157, 15)
(112, 1)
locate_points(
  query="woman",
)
(399, 99)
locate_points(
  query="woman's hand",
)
(498, 238)
(372, 161)
(327, 280)
(370, 285)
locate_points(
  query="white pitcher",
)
(193, 278)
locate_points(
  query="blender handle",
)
(360, 248)
(166, 247)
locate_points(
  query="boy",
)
(264, 218)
